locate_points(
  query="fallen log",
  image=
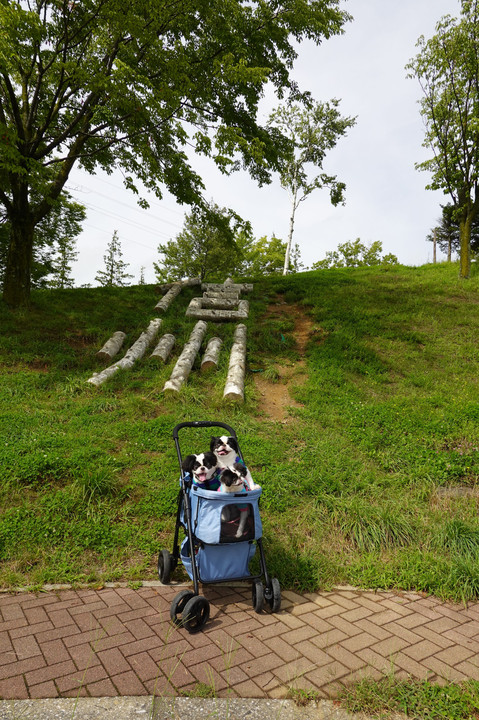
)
(164, 347)
(112, 346)
(134, 353)
(212, 353)
(186, 283)
(221, 287)
(185, 362)
(234, 387)
(165, 302)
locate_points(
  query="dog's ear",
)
(213, 443)
(227, 477)
(241, 468)
(233, 443)
(210, 457)
(188, 462)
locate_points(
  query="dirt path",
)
(276, 397)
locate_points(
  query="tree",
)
(114, 273)
(266, 257)
(355, 254)
(447, 68)
(210, 246)
(312, 131)
(447, 233)
(61, 264)
(108, 84)
(62, 224)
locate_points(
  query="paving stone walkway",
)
(120, 642)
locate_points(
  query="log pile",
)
(220, 302)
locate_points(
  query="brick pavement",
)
(119, 642)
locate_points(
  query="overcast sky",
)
(386, 198)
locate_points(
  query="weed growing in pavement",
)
(303, 697)
(415, 699)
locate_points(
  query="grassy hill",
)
(372, 482)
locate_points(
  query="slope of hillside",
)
(370, 475)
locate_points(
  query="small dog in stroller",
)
(233, 480)
(203, 469)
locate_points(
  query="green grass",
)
(417, 700)
(388, 414)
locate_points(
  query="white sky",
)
(386, 198)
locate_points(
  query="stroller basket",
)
(223, 531)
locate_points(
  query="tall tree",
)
(312, 131)
(447, 68)
(61, 264)
(210, 246)
(108, 83)
(114, 273)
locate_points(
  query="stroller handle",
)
(202, 423)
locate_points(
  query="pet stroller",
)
(211, 552)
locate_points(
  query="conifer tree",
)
(114, 273)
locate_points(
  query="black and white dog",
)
(203, 469)
(233, 480)
(227, 454)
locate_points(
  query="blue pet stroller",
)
(213, 549)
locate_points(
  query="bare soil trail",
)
(276, 397)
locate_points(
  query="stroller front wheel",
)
(195, 614)
(179, 604)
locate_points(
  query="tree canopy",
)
(355, 254)
(447, 68)
(210, 246)
(108, 84)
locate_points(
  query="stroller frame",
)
(189, 609)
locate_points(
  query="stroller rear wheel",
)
(166, 565)
(195, 614)
(273, 595)
(179, 604)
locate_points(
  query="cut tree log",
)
(234, 388)
(164, 347)
(185, 362)
(186, 283)
(242, 287)
(112, 346)
(134, 353)
(165, 302)
(219, 303)
(212, 353)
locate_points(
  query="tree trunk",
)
(465, 243)
(234, 387)
(16, 287)
(434, 254)
(291, 230)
